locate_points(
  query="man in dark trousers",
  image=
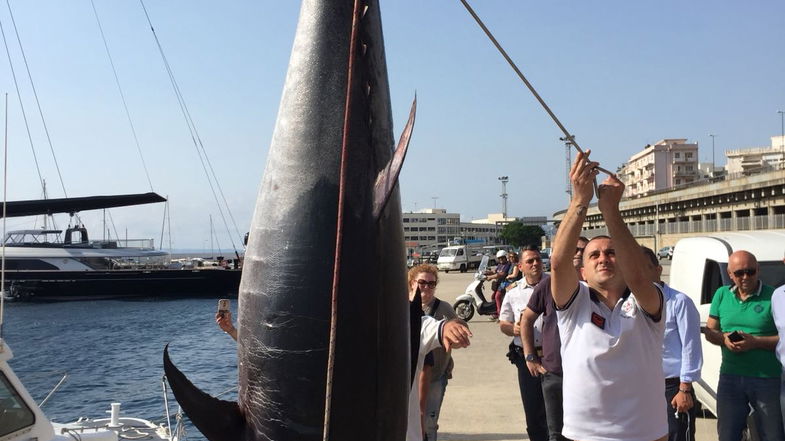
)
(515, 301)
(547, 367)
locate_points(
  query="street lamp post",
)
(782, 129)
(504, 180)
(712, 154)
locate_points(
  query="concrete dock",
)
(482, 402)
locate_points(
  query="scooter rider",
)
(497, 276)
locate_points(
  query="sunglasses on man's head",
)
(748, 271)
(424, 283)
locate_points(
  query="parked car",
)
(665, 252)
(546, 261)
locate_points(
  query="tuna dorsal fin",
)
(388, 177)
(218, 420)
(415, 322)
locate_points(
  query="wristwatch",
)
(532, 357)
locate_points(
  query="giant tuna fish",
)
(324, 341)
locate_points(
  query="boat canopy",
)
(37, 207)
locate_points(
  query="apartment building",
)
(757, 159)
(668, 163)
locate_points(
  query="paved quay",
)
(482, 402)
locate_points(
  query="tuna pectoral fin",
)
(218, 420)
(388, 177)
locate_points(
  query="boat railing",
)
(138, 244)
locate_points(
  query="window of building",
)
(688, 155)
(689, 168)
(677, 155)
(678, 181)
(406, 220)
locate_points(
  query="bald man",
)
(741, 323)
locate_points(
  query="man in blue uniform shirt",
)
(681, 354)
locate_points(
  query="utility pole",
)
(782, 129)
(435, 199)
(712, 153)
(504, 180)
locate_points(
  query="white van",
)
(699, 267)
(459, 257)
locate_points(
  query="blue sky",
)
(619, 75)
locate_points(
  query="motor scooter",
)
(474, 298)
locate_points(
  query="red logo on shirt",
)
(598, 320)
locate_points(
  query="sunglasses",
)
(578, 250)
(424, 283)
(532, 260)
(745, 271)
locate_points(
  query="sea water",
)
(112, 351)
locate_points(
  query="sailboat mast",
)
(5, 198)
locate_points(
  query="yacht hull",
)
(82, 285)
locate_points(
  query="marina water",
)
(112, 351)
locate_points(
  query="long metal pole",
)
(782, 129)
(5, 197)
(528, 84)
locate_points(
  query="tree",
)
(517, 234)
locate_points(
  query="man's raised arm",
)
(629, 257)
(564, 280)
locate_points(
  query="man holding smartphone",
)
(740, 321)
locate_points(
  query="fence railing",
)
(767, 222)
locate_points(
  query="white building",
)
(666, 164)
(755, 159)
(433, 228)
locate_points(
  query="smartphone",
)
(735, 337)
(223, 307)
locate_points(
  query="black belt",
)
(537, 349)
(672, 380)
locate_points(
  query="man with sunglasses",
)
(530, 265)
(741, 323)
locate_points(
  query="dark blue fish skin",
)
(285, 293)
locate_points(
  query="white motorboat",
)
(21, 419)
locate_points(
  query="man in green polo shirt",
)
(740, 321)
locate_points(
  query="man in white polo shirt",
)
(611, 327)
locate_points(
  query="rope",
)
(197, 141)
(35, 94)
(22, 106)
(122, 95)
(339, 228)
